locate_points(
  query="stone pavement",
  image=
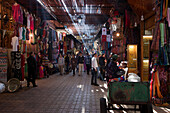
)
(59, 94)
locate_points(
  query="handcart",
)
(127, 93)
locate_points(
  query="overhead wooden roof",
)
(95, 12)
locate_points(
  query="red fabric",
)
(44, 33)
(104, 38)
(127, 19)
(16, 12)
(116, 13)
(31, 23)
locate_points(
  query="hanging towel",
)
(168, 16)
(162, 33)
(157, 85)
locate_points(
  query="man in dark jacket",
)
(88, 63)
(112, 67)
(81, 63)
(67, 63)
(32, 69)
(102, 62)
(73, 63)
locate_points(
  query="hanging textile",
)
(168, 16)
(104, 31)
(20, 33)
(156, 37)
(31, 18)
(108, 38)
(162, 34)
(104, 38)
(16, 11)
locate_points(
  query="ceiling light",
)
(117, 34)
(135, 24)
(79, 19)
(142, 18)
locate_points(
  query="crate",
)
(128, 92)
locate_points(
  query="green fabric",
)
(23, 33)
(162, 33)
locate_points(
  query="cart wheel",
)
(103, 107)
(146, 108)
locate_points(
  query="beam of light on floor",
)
(154, 111)
(83, 110)
(165, 109)
(102, 90)
(105, 85)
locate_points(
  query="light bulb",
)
(135, 24)
(142, 18)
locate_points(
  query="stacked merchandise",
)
(160, 74)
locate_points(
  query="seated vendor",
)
(112, 69)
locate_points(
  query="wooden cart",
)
(127, 93)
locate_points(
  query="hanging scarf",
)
(162, 33)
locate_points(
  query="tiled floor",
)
(59, 94)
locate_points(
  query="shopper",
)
(88, 63)
(81, 63)
(67, 63)
(102, 61)
(32, 69)
(94, 70)
(112, 68)
(61, 64)
(73, 63)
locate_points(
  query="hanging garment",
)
(20, 33)
(16, 12)
(162, 33)
(104, 31)
(104, 38)
(27, 34)
(168, 16)
(156, 37)
(20, 20)
(31, 22)
(163, 80)
(28, 21)
(108, 38)
(23, 33)
(157, 85)
(15, 43)
(24, 18)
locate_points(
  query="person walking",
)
(67, 63)
(102, 61)
(32, 69)
(73, 63)
(81, 63)
(94, 70)
(88, 63)
(61, 64)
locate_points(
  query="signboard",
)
(3, 65)
(16, 64)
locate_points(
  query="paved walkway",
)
(59, 94)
